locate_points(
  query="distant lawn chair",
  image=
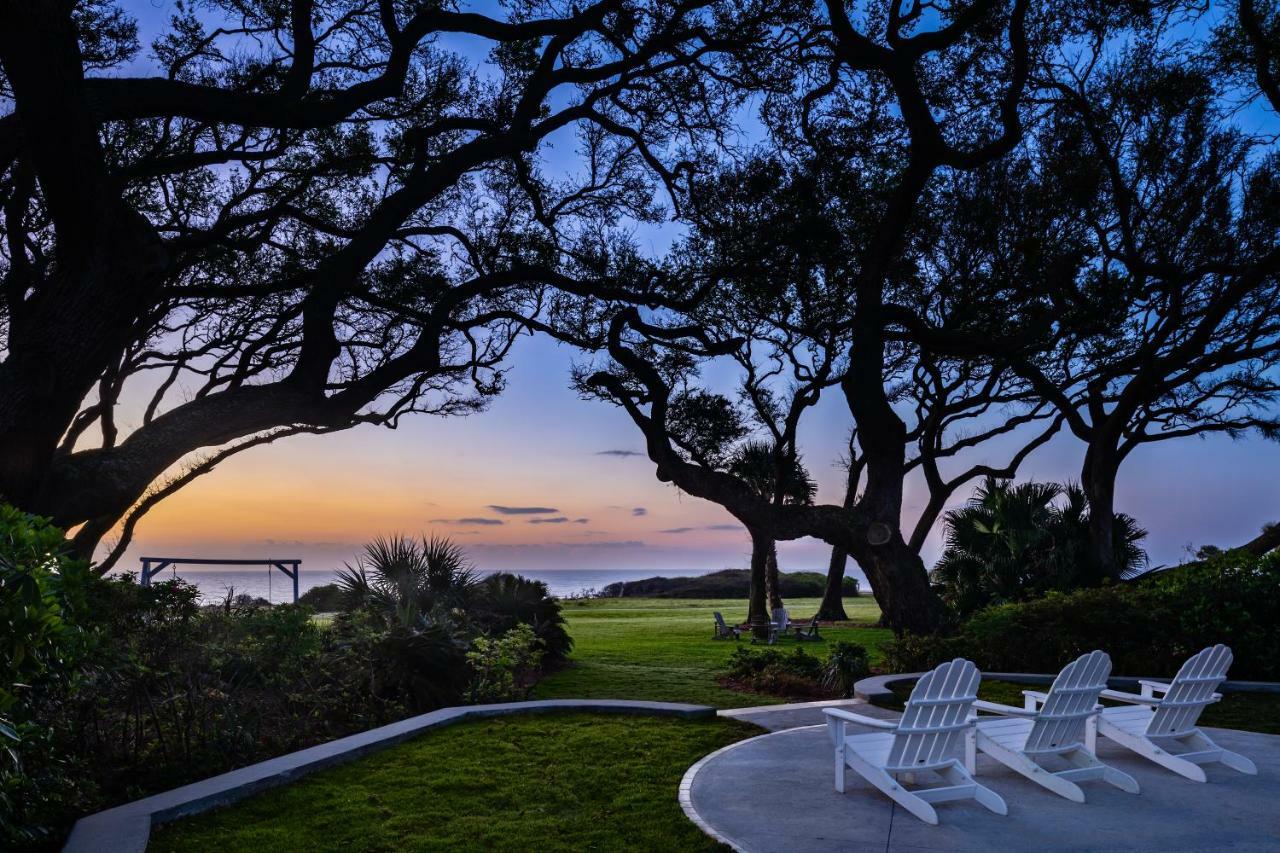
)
(1065, 726)
(1152, 724)
(725, 631)
(778, 627)
(934, 734)
(807, 632)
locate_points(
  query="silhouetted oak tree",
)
(314, 214)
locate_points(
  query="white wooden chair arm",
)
(1132, 698)
(1006, 710)
(850, 717)
(1150, 688)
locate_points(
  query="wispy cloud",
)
(704, 527)
(581, 520)
(612, 543)
(622, 454)
(559, 519)
(523, 510)
(639, 510)
(471, 521)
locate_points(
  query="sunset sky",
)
(539, 447)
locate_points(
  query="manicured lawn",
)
(548, 782)
(1250, 712)
(661, 648)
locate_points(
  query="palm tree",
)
(408, 582)
(777, 477)
(1013, 542)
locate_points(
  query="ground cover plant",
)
(547, 782)
(661, 649)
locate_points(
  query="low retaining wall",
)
(126, 828)
(876, 689)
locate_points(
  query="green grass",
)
(661, 648)
(548, 782)
(1250, 712)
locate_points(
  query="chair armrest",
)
(1034, 698)
(1005, 710)
(1150, 688)
(850, 717)
(1132, 698)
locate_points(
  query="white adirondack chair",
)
(1062, 723)
(778, 627)
(934, 734)
(1153, 725)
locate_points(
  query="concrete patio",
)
(774, 793)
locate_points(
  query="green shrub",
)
(1149, 627)
(41, 594)
(503, 669)
(325, 598)
(503, 601)
(846, 664)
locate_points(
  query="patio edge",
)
(127, 828)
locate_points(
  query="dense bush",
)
(502, 601)
(41, 595)
(727, 583)
(798, 673)
(847, 663)
(1019, 542)
(137, 689)
(325, 598)
(504, 668)
(1148, 627)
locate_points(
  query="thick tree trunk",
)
(758, 602)
(832, 607)
(773, 585)
(1098, 479)
(107, 260)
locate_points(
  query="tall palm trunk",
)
(773, 585)
(758, 601)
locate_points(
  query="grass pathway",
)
(661, 648)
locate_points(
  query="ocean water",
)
(276, 587)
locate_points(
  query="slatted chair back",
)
(1070, 703)
(720, 621)
(931, 731)
(1189, 692)
(780, 620)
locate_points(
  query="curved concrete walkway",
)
(774, 793)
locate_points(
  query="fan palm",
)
(405, 580)
(1013, 542)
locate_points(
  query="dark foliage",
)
(325, 598)
(1017, 542)
(502, 601)
(727, 583)
(798, 673)
(1149, 628)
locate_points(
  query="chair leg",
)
(1122, 780)
(1024, 766)
(1234, 760)
(840, 767)
(989, 799)
(1151, 752)
(890, 787)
